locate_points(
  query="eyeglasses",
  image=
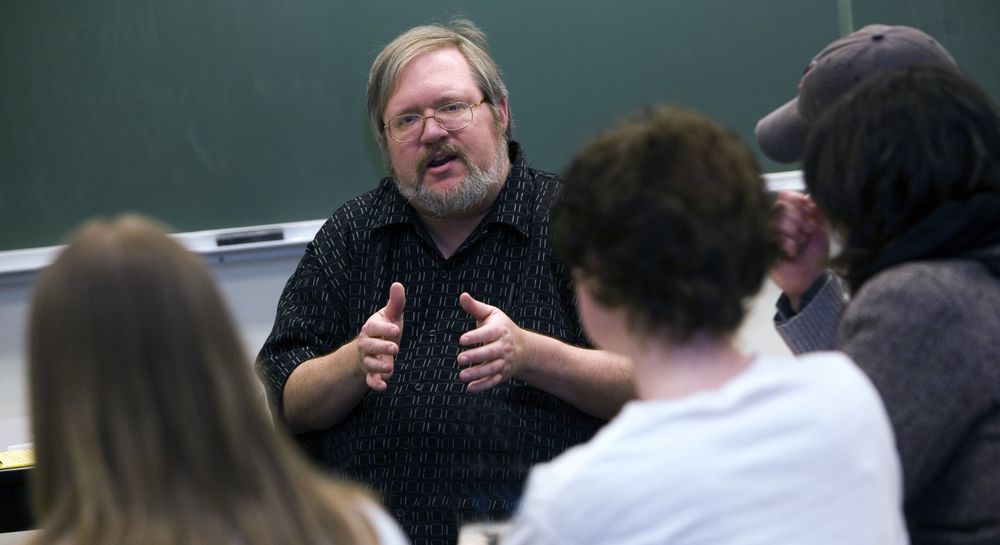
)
(451, 117)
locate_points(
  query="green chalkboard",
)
(226, 113)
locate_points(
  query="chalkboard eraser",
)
(246, 237)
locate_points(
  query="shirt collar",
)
(512, 207)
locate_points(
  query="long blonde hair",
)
(146, 421)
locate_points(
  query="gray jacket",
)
(928, 335)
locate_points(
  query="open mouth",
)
(441, 160)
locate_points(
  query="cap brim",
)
(781, 134)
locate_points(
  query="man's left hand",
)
(494, 351)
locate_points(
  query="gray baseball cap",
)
(834, 71)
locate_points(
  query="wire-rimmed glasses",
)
(453, 116)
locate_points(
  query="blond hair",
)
(146, 420)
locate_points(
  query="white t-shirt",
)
(790, 451)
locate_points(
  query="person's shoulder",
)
(821, 379)
(577, 464)
(545, 187)
(942, 290)
(830, 362)
(544, 177)
(618, 451)
(547, 182)
(933, 317)
(358, 213)
(922, 277)
(832, 400)
(365, 205)
(829, 370)
(593, 474)
(537, 185)
(350, 224)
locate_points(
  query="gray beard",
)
(474, 191)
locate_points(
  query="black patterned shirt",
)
(438, 455)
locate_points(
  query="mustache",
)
(427, 155)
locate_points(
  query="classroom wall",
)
(251, 288)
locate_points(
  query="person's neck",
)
(665, 370)
(449, 233)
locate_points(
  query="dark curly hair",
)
(884, 157)
(669, 215)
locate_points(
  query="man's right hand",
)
(804, 240)
(378, 342)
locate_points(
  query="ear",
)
(504, 113)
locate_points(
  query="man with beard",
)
(427, 343)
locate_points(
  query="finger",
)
(818, 218)
(788, 225)
(380, 328)
(375, 347)
(482, 335)
(374, 364)
(812, 219)
(787, 200)
(806, 223)
(479, 311)
(484, 384)
(789, 215)
(376, 382)
(795, 202)
(474, 356)
(792, 195)
(479, 372)
(789, 246)
(397, 300)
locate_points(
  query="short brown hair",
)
(669, 216)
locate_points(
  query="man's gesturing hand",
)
(497, 346)
(378, 342)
